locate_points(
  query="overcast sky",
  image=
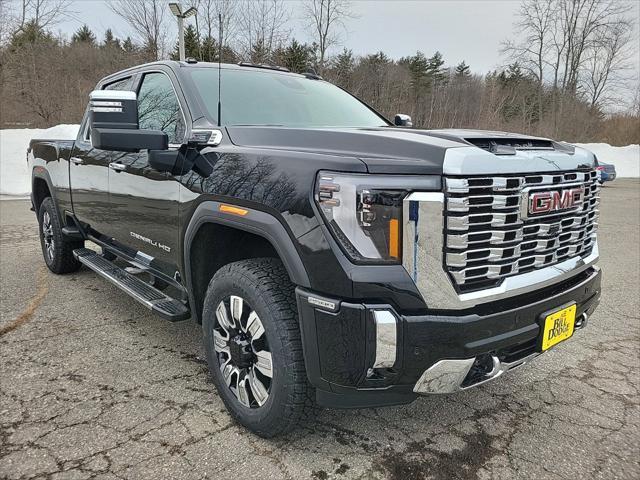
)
(461, 30)
(469, 30)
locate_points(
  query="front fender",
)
(256, 222)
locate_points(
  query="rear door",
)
(143, 201)
(89, 175)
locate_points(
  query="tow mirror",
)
(402, 120)
(166, 161)
(113, 120)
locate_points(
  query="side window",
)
(158, 107)
(124, 84)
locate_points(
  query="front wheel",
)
(253, 346)
(56, 249)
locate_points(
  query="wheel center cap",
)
(241, 354)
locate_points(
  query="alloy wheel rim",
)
(47, 235)
(243, 352)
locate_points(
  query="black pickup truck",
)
(332, 257)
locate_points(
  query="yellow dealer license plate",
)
(558, 326)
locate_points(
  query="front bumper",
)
(354, 360)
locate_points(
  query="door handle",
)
(118, 167)
(76, 160)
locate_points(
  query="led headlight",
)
(364, 212)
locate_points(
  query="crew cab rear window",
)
(124, 84)
(251, 97)
(158, 107)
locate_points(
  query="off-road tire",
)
(265, 285)
(60, 257)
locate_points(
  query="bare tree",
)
(147, 19)
(607, 64)
(326, 19)
(262, 28)
(44, 13)
(208, 15)
(6, 21)
(576, 45)
(536, 25)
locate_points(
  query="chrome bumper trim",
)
(386, 338)
(446, 376)
(423, 237)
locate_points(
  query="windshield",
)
(251, 97)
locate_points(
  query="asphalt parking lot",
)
(93, 386)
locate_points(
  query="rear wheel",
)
(56, 249)
(253, 345)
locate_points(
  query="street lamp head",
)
(189, 13)
(175, 9)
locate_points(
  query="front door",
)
(143, 201)
(89, 175)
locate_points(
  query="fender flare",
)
(38, 172)
(256, 222)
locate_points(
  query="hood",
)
(412, 151)
(383, 150)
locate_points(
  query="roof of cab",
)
(174, 64)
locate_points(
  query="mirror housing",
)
(402, 120)
(113, 109)
(113, 122)
(126, 140)
(166, 161)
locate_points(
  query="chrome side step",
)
(167, 307)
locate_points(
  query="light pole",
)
(176, 9)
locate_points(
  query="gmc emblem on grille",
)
(545, 202)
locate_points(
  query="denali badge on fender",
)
(537, 202)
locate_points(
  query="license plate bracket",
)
(556, 326)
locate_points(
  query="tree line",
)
(560, 80)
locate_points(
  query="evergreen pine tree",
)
(344, 66)
(295, 57)
(436, 73)
(209, 49)
(84, 35)
(418, 66)
(191, 44)
(110, 41)
(128, 45)
(31, 33)
(462, 70)
(259, 52)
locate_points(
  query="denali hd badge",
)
(536, 202)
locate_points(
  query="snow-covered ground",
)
(626, 159)
(14, 176)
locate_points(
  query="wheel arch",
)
(41, 187)
(260, 232)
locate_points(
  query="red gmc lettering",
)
(544, 202)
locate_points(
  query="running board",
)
(167, 307)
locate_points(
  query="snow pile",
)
(14, 175)
(626, 159)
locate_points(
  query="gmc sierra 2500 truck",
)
(332, 257)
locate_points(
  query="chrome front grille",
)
(487, 237)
